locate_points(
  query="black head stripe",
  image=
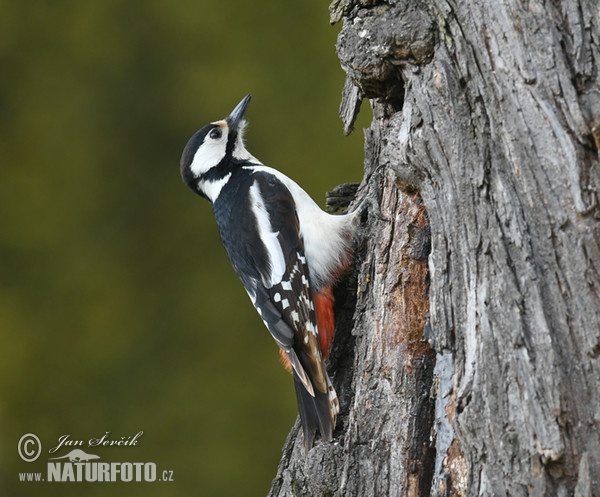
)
(231, 139)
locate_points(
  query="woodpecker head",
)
(211, 152)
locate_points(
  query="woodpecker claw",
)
(339, 199)
(370, 203)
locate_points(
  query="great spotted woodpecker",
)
(285, 249)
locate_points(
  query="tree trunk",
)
(481, 376)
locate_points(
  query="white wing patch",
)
(268, 236)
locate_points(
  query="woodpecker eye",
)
(215, 133)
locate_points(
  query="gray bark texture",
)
(467, 354)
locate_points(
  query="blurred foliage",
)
(118, 308)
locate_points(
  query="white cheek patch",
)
(210, 153)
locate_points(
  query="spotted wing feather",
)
(289, 291)
(269, 258)
(292, 298)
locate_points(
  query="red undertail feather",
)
(324, 301)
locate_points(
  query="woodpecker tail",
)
(316, 413)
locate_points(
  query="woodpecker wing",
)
(268, 255)
(287, 289)
(286, 282)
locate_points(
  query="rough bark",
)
(483, 376)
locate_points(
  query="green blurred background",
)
(119, 311)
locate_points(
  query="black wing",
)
(268, 255)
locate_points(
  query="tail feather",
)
(317, 413)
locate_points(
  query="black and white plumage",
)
(283, 247)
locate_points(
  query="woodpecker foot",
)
(370, 203)
(339, 199)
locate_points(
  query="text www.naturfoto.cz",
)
(98, 472)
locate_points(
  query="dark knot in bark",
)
(379, 42)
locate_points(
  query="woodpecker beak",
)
(237, 115)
